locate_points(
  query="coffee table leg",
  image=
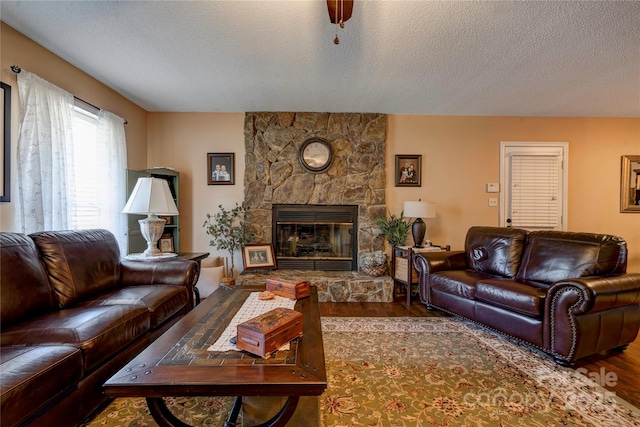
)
(164, 418)
(284, 415)
(161, 414)
(232, 419)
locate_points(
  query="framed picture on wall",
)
(221, 169)
(408, 171)
(630, 184)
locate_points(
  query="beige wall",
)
(16, 49)
(182, 141)
(461, 155)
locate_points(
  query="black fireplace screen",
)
(315, 237)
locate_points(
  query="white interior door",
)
(533, 176)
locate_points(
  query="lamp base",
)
(418, 229)
(152, 228)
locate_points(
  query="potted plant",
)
(228, 231)
(373, 263)
(394, 228)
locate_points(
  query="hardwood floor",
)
(618, 372)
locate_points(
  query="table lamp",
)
(419, 210)
(151, 197)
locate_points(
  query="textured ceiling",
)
(516, 58)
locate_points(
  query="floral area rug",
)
(425, 372)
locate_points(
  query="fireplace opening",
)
(315, 237)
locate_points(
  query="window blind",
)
(535, 181)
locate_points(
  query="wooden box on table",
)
(268, 332)
(288, 288)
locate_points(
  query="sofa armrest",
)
(431, 262)
(591, 314)
(162, 272)
(597, 293)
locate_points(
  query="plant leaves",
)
(394, 228)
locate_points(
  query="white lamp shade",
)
(151, 196)
(419, 209)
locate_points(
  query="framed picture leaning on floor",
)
(258, 256)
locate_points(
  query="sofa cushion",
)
(514, 296)
(24, 285)
(72, 273)
(162, 301)
(33, 377)
(495, 250)
(100, 332)
(551, 256)
(457, 282)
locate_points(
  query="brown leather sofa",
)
(73, 313)
(565, 293)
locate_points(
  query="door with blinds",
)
(533, 176)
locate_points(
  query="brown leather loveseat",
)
(563, 292)
(73, 313)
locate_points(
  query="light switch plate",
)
(493, 187)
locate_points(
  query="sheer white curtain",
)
(47, 190)
(112, 151)
(45, 141)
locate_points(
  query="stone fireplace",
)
(274, 175)
(356, 177)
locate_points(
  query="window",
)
(85, 209)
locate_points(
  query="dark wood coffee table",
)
(178, 363)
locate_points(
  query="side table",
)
(197, 257)
(403, 272)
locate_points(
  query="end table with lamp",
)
(419, 210)
(404, 274)
(151, 197)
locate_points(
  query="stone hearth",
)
(333, 286)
